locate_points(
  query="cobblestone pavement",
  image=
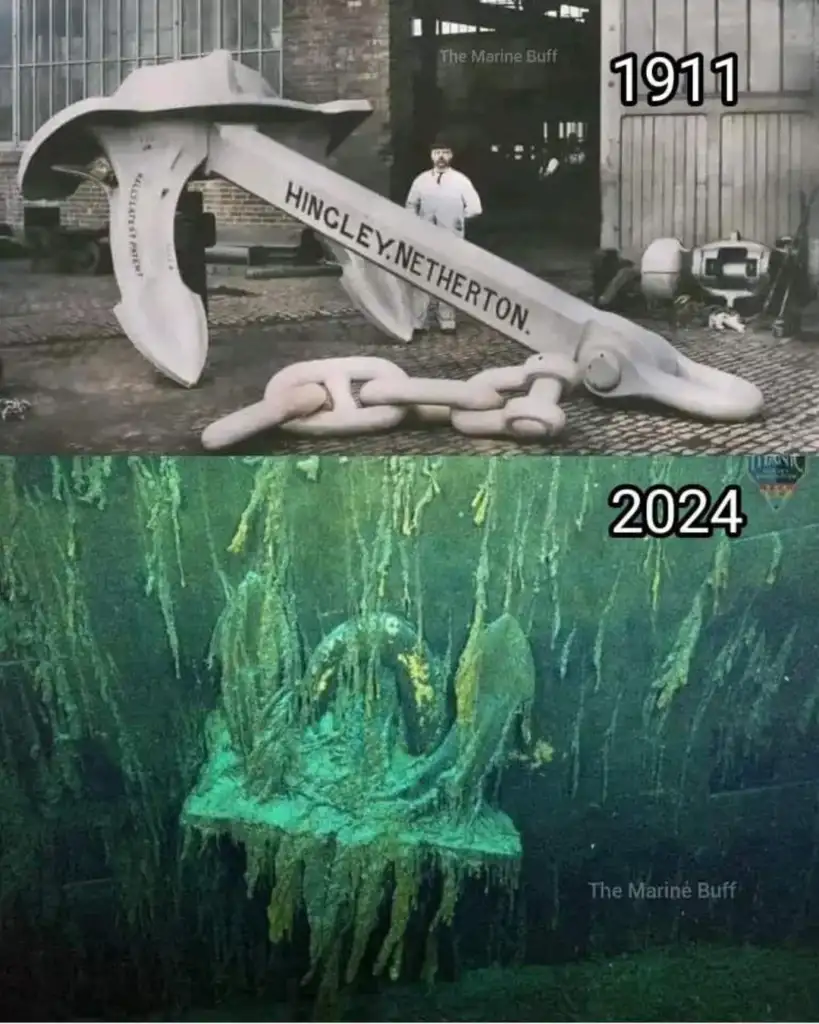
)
(90, 391)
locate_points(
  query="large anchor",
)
(212, 116)
(354, 778)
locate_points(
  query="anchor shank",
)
(497, 293)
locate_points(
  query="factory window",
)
(55, 52)
(6, 69)
(563, 11)
(569, 11)
(449, 28)
(566, 128)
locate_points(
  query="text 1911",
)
(661, 511)
(665, 77)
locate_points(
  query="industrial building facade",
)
(463, 66)
(700, 172)
(55, 52)
(393, 53)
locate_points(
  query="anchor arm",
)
(163, 318)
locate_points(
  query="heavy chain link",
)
(316, 399)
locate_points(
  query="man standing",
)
(445, 197)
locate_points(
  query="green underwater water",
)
(329, 719)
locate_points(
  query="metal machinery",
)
(728, 270)
(740, 276)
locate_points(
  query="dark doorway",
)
(517, 86)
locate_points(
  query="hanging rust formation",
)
(343, 774)
(353, 784)
(329, 661)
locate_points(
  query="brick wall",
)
(10, 202)
(333, 49)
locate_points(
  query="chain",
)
(316, 399)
